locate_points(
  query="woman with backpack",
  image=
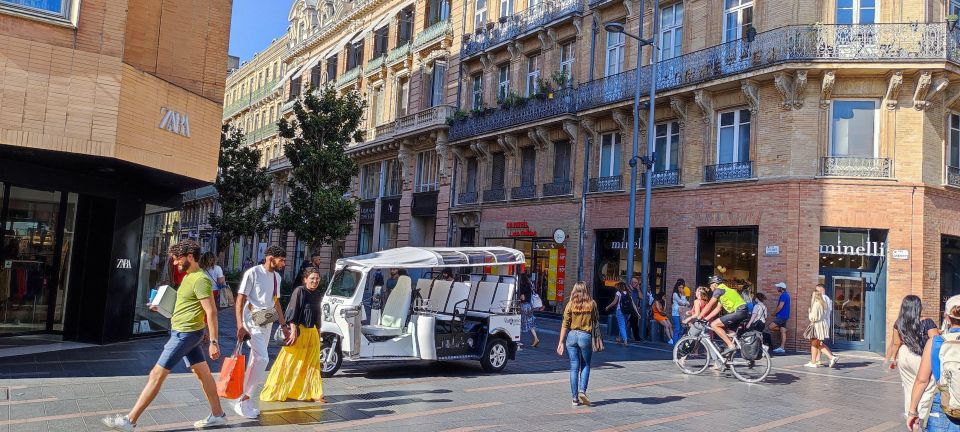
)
(528, 322)
(623, 307)
(579, 334)
(819, 331)
(939, 351)
(909, 336)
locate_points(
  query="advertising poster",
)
(552, 275)
(561, 273)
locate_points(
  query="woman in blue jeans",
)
(580, 318)
(623, 307)
(930, 368)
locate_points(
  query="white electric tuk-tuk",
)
(420, 315)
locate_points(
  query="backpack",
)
(949, 383)
(751, 345)
(626, 303)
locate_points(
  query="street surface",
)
(633, 388)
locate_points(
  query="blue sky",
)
(255, 23)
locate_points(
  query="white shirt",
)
(828, 312)
(214, 274)
(678, 300)
(261, 288)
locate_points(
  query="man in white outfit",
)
(259, 289)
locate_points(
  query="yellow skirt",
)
(296, 372)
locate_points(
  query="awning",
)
(416, 257)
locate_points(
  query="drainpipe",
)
(583, 207)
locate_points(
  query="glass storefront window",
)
(365, 245)
(66, 247)
(730, 253)
(160, 226)
(851, 249)
(611, 261)
(388, 235)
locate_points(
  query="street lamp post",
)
(647, 161)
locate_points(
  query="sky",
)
(255, 23)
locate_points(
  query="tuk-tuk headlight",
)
(349, 313)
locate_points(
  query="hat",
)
(781, 285)
(952, 303)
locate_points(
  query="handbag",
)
(230, 382)
(597, 335)
(278, 336)
(535, 301)
(262, 317)
(808, 333)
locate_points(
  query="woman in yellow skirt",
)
(296, 372)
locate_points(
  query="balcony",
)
(278, 164)
(374, 65)
(431, 34)
(266, 131)
(519, 24)
(606, 184)
(523, 192)
(399, 53)
(201, 193)
(433, 116)
(728, 172)
(853, 166)
(467, 198)
(661, 179)
(381, 132)
(494, 195)
(798, 43)
(530, 110)
(349, 76)
(558, 188)
(953, 176)
(265, 90)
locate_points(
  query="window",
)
(503, 82)
(403, 95)
(860, 11)
(42, 8)
(437, 11)
(615, 44)
(394, 181)
(528, 166)
(370, 181)
(471, 185)
(315, 76)
(953, 152)
(389, 232)
(854, 128)
(295, 85)
(380, 38)
(566, 60)
(477, 100)
(667, 146)
(733, 138)
(405, 32)
(671, 31)
(437, 83)
(376, 102)
(498, 167)
(533, 74)
(561, 161)
(428, 171)
(480, 15)
(506, 8)
(954, 7)
(610, 155)
(356, 55)
(737, 18)
(332, 68)
(731, 248)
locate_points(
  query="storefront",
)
(546, 261)
(730, 252)
(949, 268)
(610, 261)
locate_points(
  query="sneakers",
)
(583, 398)
(576, 404)
(779, 350)
(670, 341)
(811, 365)
(244, 408)
(211, 421)
(834, 360)
(118, 422)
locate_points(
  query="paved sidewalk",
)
(636, 387)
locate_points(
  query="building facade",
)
(108, 112)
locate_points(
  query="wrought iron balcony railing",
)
(494, 195)
(532, 109)
(854, 166)
(728, 172)
(523, 192)
(558, 188)
(266, 131)
(660, 179)
(508, 28)
(348, 77)
(467, 198)
(953, 176)
(398, 54)
(606, 184)
(374, 64)
(431, 34)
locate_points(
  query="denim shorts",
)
(182, 346)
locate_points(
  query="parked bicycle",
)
(696, 351)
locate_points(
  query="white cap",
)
(952, 303)
(781, 285)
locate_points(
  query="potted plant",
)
(952, 21)
(561, 78)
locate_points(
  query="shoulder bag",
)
(262, 317)
(597, 334)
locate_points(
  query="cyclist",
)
(731, 303)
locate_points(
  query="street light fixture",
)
(647, 161)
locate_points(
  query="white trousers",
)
(256, 373)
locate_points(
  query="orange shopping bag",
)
(230, 383)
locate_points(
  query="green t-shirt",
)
(728, 298)
(188, 313)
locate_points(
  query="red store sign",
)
(520, 229)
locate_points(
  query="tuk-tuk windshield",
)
(344, 283)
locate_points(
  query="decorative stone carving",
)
(591, 127)
(928, 87)
(893, 89)
(752, 92)
(532, 136)
(516, 50)
(442, 148)
(553, 36)
(704, 101)
(578, 23)
(405, 157)
(545, 41)
(458, 152)
(628, 5)
(624, 123)
(951, 98)
(543, 137)
(799, 88)
(481, 149)
(826, 88)
(508, 143)
(486, 61)
(679, 107)
(791, 88)
(572, 129)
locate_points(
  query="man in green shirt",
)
(728, 300)
(193, 312)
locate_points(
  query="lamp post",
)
(647, 161)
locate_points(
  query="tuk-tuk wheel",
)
(328, 369)
(494, 358)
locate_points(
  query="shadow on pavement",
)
(780, 378)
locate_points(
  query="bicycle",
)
(696, 351)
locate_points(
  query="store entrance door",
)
(858, 313)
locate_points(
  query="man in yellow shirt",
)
(194, 303)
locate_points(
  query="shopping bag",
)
(230, 383)
(223, 299)
(165, 300)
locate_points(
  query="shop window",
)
(477, 93)
(155, 266)
(733, 137)
(667, 146)
(370, 181)
(561, 161)
(503, 82)
(671, 31)
(615, 46)
(533, 74)
(437, 83)
(737, 19)
(730, 253)
(428, 171)
(611, 261)
(851, 249)
(394, 182)
(610, 151)
(854, 128)
(331, 68)
(858, 11)
(388, 235)
(365, 242)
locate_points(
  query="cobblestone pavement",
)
(633, 388)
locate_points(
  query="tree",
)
(319, 210)
(240, 180)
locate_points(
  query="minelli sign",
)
(174, 121)
(870, 249)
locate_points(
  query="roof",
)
(417, 257)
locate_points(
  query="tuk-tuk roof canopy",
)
(418, 257)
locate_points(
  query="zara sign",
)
(174, 121)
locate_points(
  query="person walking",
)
(909, 336)
(622, 305)
(679, 306)
(781, 315)
(194, 312)
(580, 318)
(659, 305)
(819, 331)
(296, 373)
(931, 367)
(257, 297)
(528, 322)
(208, 263)
(633, 318)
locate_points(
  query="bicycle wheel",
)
(691, 355)
(751, 371)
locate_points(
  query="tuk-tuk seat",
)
(394, 316)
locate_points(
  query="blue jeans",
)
(580, 349)
(622, 322)
(677, 328)
(938, 421)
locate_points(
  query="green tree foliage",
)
(240, 181)
(319, 210)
